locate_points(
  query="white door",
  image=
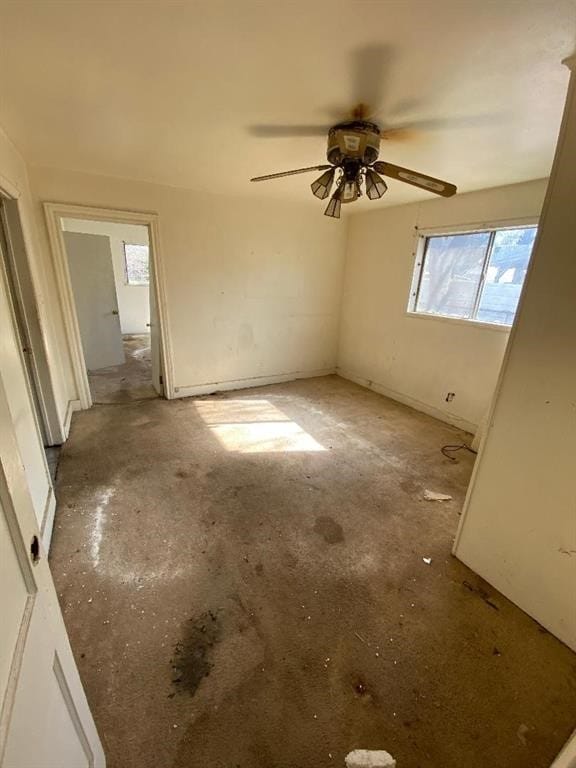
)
(92, 277)
(21, 326)
(25, 425)
(155, 348)
(45, 721)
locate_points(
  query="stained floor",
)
(127, 382)
(254, 579)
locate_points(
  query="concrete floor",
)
(243, 581)
(127, 382)
(52, 454)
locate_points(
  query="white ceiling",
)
(167, 91)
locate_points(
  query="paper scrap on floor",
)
(369, 758)
(433, 496)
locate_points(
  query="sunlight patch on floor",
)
(254, 426)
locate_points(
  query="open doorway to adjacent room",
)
(107, 275)
(109, 266)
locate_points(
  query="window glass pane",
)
(136, 257)
(451, 275)
(505, 275)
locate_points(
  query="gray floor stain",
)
(329, 529)
(191, 661)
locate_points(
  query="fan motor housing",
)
(354, 140)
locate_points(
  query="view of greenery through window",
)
(475, 276)
(136, 264)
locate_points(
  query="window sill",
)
(460, 321)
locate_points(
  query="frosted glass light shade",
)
(333, 208)
(375, 185)
(323, 184)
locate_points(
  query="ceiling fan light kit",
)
(322, 186)
(353, 150)
(375, 184)
(333, 207)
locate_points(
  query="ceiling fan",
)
(354, 144)
(352, 153)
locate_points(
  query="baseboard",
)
(48, 520)
(73, 405)
(257, 381)
(430, 410)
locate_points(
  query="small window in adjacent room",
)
(474, 276)
(136, 264)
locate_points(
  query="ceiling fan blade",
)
(421, 180)
(370, 66)
(292, 173)
(404, 133)
(456, 121)
(283, 131)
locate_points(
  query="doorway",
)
(26, 324)
(109, 267)
(16, 292)
(110, 281)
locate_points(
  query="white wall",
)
(253, 288)
(518, 529)
(418, 360)
(133, 300)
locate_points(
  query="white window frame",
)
(126, 280)
(418, 252)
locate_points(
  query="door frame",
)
(54, 213)
(39, 375)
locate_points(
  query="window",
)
(136, 264)
(473, 275)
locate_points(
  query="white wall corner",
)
(445, 416)
(73, 405)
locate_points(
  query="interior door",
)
(25, 424)
(15, 289)
(92, 277)
(155, 348)
(45, 721)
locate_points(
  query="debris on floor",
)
(482, 593)
(433, 496)
(522, 731)
(369, 758)
(427, 560)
